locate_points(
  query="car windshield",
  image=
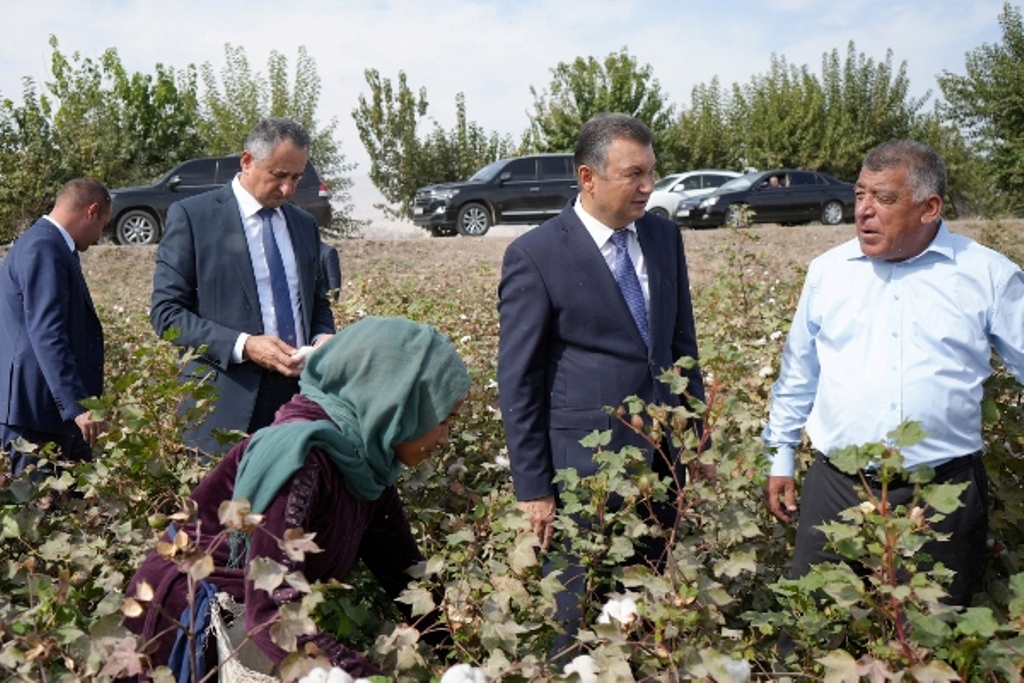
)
(488, 171)
(737, 184)
(666, 182)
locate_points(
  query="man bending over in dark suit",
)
(594, 305)
(51, 355)
(237, 270)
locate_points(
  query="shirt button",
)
(892, 406)
(895, 335)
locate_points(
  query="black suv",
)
(139, 213)
(527, 189)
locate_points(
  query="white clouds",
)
(493, 50)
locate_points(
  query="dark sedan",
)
(780, 196)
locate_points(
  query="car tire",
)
(474, 220)
(832, 213)
(734, 216)
(137, 228)
(658, 211)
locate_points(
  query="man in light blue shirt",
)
(897, 324)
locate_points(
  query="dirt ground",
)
(122, 276)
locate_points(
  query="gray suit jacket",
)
(204, 287)
(569, 346)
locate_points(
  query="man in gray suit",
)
(237, 271)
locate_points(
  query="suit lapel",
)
(656, 259)
(235, 241)
(593, 266)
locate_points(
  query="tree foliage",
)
(988, 105)
(401, 158)
(94, 118)
(242, 98)
(586, 87)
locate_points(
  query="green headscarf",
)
(383, 381)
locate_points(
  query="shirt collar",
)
(599, 232)
(941, 245)
(247, 204)
(63, 232)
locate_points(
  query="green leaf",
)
(945, 498)
(909, 433)
(977, 621)
(934, 672)
(840, 667)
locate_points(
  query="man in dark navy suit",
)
(51, 355)
(594, 305)
(238, 271)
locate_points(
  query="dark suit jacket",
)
(330, 262)
(51, 341)
(204, 286)
(569, 346)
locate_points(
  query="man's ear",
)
(247, 159)
(933, 209)
(586, 178)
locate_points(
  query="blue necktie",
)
(629, 283)
(278, 281)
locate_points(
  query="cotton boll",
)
(339, 676)
(585, 667)
(315, 676)
(739, 670)
(463, 673)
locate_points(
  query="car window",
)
(521, 170)
(198, 172)
(488, 171)
(798, 178)
(712, 180)
(666, 182)
(690, 183)
(554, 168)
(228, 168)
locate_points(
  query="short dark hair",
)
(266, 135)
(597, 134)
(79, 193)
(926, 172)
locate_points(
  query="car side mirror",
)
(504, 177)
(174, 182)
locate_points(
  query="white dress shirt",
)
(875, 343)
(253, 225)
(602, 236)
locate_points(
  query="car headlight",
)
(708, 203)
(444, 194)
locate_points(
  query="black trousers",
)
(827, 492)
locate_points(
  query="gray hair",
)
(269, 132)
(597, 134)
(79, 193)
(926, 172)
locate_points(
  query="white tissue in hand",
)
(302, 352)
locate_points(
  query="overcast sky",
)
(493, 50)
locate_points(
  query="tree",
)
(400, 160)
(231, 108)
(701, 136)
(988, 104)
(587, 87)
(96, 120)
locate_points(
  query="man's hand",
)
(780, 497)
(542, 518)
(273, 354)
(90, 428)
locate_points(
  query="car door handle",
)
(534, 189)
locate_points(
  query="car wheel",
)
(474, 220)
(734, 216)
(832, 213)
(136, 228)
(658, 211)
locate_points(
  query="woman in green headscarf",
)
(379, 393)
